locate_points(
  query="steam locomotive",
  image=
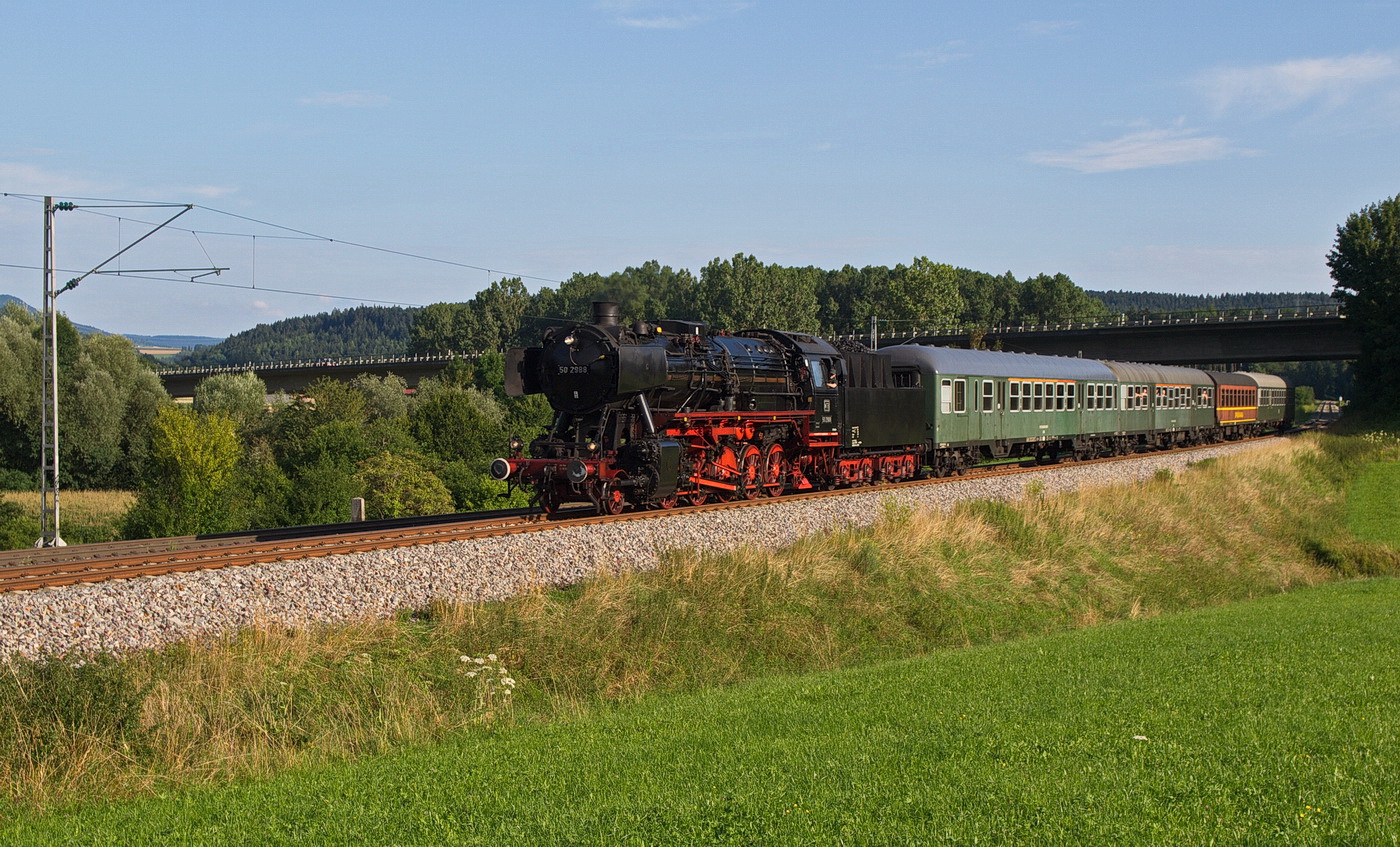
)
(654, 415)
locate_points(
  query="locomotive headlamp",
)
(515, 444)
(576, 472)
(591, 447)
(569, 340)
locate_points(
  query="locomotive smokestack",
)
(605, 313)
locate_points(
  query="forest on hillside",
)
(364, 331)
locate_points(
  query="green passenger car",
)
(985, 405)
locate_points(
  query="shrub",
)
(397, 485)
(17, 529)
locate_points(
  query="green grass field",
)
(1273, 721)
(1373, 504)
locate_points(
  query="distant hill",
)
(1147, 302)
(175, 341)
(183, 342)
(364, 331)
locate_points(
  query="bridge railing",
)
(322, 362)
(1121, 320)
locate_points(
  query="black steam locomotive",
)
(670, 412)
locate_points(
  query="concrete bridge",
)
(1274, 335)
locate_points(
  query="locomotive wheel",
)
(726, 467)
(750, 482)
(698, 498)
(611, 500)
(669, 502)
(774, 470)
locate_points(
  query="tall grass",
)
(87, 516)
(271, 698)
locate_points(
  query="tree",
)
(458, 423)
(492, 319)
(400, 484)
(925, 292)
(188, 484)
(1047, 299)
(337, 401)
(989, 301)
(386, 397)
(108, 398)
(241, 396)
(744, 293)
(19, 388)
(434, 329)
(1365, 264)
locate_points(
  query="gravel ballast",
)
(148, 612)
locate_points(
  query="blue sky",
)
(1191, 147)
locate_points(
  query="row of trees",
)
(108, 398)
(745, 292)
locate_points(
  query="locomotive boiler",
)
(656, 414)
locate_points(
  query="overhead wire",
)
(194, 281)
(297, 235)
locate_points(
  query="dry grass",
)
(83, 506)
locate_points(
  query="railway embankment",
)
(261, 669)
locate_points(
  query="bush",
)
(17, 529)
(13, 480)
(398, 485)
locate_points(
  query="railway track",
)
(23, 570)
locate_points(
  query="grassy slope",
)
(1267, 722)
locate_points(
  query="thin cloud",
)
(209, 192)
(1146, 149)
(25, 178)
(1289, 85)
(944, 54)
(1044, 29)
(669, 14)
(348, 99)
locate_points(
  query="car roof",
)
(953, 360)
